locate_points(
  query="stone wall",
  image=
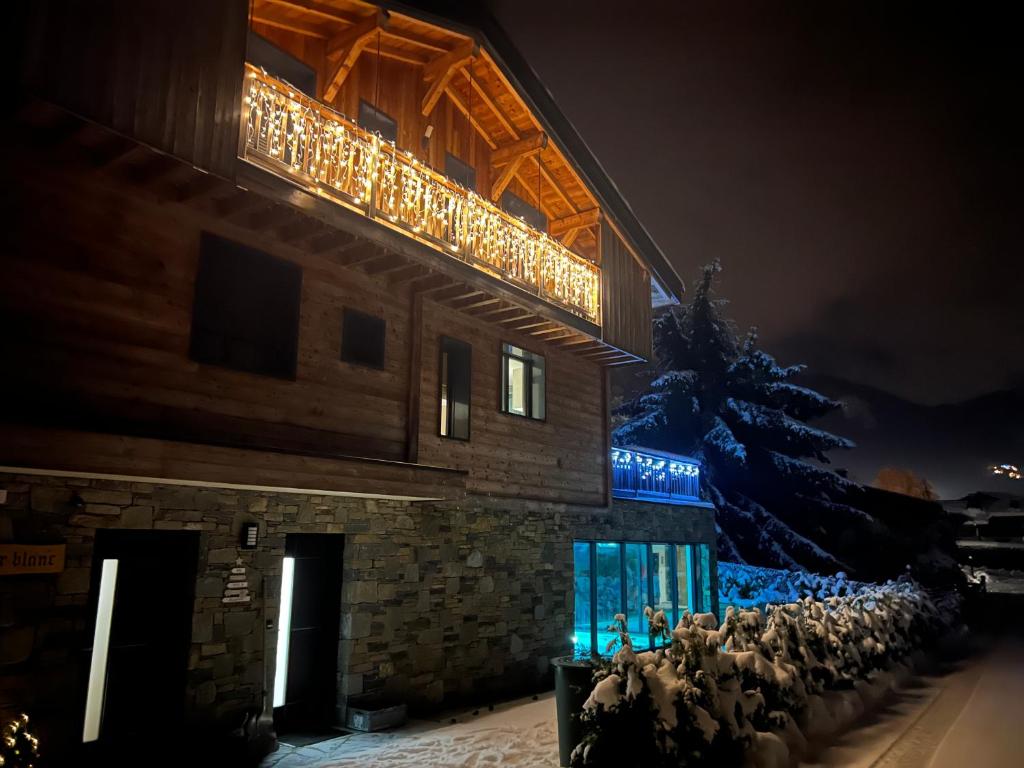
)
(455, 601)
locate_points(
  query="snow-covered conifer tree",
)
(728, 403)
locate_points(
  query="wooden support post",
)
(441, 70)
(346, 47)
(412, 418)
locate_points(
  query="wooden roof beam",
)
(406, 37)
(492, 105)
(461, 106)
(299, 27)
(389, 262)
(441, 70)
(516, 319)
(526, 147)
(585, 344)
(582, 220)
(553, 183)
(432, 284)
(546, 331)
(347, 46)
(409, 274)
(474, 304)
(456, 293)
(538, 200)
(315, 8)
(535, 322)
(505, 177)
(491, 314)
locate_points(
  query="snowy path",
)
(970, 717)
(520, 733)
(967, 718)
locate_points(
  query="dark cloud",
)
(856, 166)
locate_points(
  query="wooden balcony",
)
(651, 476)
(297, 137)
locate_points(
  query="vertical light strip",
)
(100, 647)
(284, 630)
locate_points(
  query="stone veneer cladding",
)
(448, 601)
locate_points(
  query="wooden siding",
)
(166, 73)
(104, 303)
(625, 297)
(100, 362)
(562, 458)
(60, 450)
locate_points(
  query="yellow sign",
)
(16, 559)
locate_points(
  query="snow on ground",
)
(1002, 580)
(967, 717)
(988, 544)
(521, 733)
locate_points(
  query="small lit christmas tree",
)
(18, 747)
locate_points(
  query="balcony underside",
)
(276, 210)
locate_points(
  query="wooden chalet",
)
(312, 296)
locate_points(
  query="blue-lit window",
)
(637, 594)
(613, 577)
(583, 624)
(663, 596)
(609, 590)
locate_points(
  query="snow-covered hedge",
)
(748, 586)
(755, 687)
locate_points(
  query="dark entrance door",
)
(312, 632)
(140, 694)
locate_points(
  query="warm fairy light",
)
(307, 139)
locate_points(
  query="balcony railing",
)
(296, 136)
(639, 474)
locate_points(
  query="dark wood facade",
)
(105, 303)
(627, 322)
(105, 299)
(165, 73)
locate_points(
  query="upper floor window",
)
(460, 172)
(246, 310)
(522, 382)
(514, 204)
(363, 338)
(375, 120)
(455, 368)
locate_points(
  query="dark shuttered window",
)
(246, 310)
(376, 121)
(363, 338)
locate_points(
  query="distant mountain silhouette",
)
(952, 445)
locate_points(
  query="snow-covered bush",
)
(756, 684)
(748, 586)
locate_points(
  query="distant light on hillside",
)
(1009, 470)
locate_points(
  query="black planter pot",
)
(573, 684)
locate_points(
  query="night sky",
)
(855, 166)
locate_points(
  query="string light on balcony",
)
(324, 148)
(648, 465)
